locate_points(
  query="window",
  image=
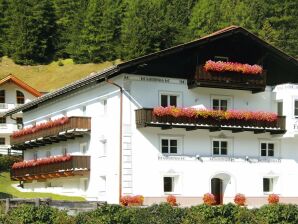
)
(20, 97)
(2, 96)
(170, 145)
(267, 149)
(83, 148)
(102, 183)
(35, 155)
(2, 141)
(220, 104)
(280, 108)
(19, 120)
(170, 99)
(2, 120)
(268, 185)
(64, 151)
(220, 147)
(168, 184)
(296, 108)
(48, 153)
(221, 58)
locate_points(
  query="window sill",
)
(171, 193)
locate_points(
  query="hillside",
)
(46, 78)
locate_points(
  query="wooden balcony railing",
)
(228, 80)
(75, 125)
(145, 118)
(77, 165)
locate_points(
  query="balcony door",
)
(217, 190)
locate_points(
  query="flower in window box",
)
(273, 199)
(171, 199)
(240, 199)
(209, 199)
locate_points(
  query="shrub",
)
(171, 199)
(209, 199)
(278, 213)
(7, 161)
(240, 199)
(128, 200)
(273, 199)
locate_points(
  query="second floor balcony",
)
(53, 167)
(49, 132)
(146, 117)
(228, 80)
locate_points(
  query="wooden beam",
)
(259, 131)
(191, 128)
(166, 127)
(237, 130)
(214, 129)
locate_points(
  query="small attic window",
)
(20, 97)
(221, 58)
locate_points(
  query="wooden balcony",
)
(75, 127)
(228, 80)
(77, 165)
(145, 118)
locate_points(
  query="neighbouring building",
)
(182, 121)
(13, 92)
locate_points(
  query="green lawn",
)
(6, 188)
(47, 78)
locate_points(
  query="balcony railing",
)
(76, 126)
(146, 118)
(77, 165)
(228, 80)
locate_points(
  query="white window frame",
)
(229, 148)
(169, 93)
(229, 100)
(179, 144)
(267, 142)
(176, 182)
(82, 145)
(294, 115)
(272, 181)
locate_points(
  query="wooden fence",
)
(72, 207)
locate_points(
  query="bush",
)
(240, 199)
(7, 161)
(279, 213)
(273, 199)
(171, 199)
(209, 199)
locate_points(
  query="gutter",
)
(121, 130)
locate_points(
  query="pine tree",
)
(31, 31)
(100, 32)
(3, 27)
(66, 12)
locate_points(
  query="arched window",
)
(20, 97)
(2, 96)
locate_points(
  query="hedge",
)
(7, 161)
(156, 214)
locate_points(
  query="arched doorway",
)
(217, 190)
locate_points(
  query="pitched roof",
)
(115, 70)
(21, 84)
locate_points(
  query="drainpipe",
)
(120, 139)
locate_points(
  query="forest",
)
(93, 31)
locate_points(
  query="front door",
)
(216, 190)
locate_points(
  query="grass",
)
(6, 188)
(47, 78)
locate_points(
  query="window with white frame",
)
(267, 149)
(221, 103)
(170, 145)
(280, 108)
(83, 148)
(296, 108)
(220, 147)
(169, 99)
(269, 184)
(171, 184)
(2, 141)
(102, 183)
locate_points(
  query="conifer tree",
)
(31, 31)
(3, 27)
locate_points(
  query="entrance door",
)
(216, 190)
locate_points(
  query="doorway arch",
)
(221, 185)
(217, 190)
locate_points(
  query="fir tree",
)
(31, 31)
(3, 27)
